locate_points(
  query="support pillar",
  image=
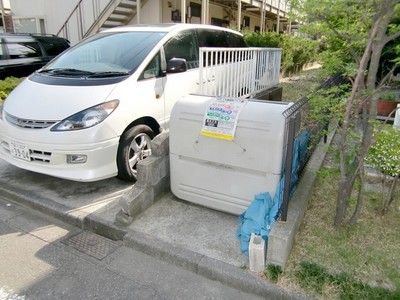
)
(278, 17)
(262, 17)
(183, 11)
(239, 15)
(138, 10)
(205, 8)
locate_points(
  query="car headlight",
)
(87, 118)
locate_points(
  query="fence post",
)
(253, 72)
(201, 69)
(288, 167)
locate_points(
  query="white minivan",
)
(91, 113)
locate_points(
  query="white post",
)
(207, 11)
(396, 122)
(262, 16)
(278, 17)
(183, 11)
(204, 12)
(201, 68)
(239, 15)
(138, 9)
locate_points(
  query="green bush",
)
(297, 51)
(7, 85)
(268, 39)
(384, 154)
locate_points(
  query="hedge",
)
(7, 85)
(297, 51)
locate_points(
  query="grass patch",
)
(273, 272)
(317, 278)
(353, 262)
(364, 257)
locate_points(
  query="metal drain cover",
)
(92, 244)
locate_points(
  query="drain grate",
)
(92, 244)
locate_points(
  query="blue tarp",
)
(260, 216)
(299, 155)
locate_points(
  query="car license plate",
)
(20, 151)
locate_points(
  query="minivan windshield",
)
(105, 55)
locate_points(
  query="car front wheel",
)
(134, 146)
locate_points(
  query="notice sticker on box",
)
(221, 118)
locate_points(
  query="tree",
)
(354, 34)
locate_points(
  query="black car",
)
(22, 54)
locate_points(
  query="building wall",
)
(53, 12)
(151, 12)
(166, 10)
(50, 15)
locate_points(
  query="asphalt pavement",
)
(199, 243)
(42, 260)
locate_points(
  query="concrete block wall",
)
(272, 94)
(153, 181)
(282, 235)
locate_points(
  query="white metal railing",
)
(238, 72)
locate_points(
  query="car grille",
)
(40, 156)
(26, 123)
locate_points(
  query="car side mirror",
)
(176, 65)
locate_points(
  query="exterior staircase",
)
(118, 13)
(87, 19)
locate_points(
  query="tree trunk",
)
(360, 198)
(389, 196)
(379, 42)
(346, 184)
(341, 203)
(369, 62)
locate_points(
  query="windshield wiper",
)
(66, 71)
(107, 74)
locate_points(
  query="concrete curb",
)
(45, 206)
(207, 267)
(282, 235)
(93, 222)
